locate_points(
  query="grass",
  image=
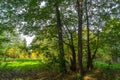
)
(104, 71)
(20, 69)
(34, 69)
(18, 59)
(103, 65)
(21, 64)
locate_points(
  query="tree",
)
(80, 54)
(70, 37)
(61, 49)
(44, 17)
(89, 58)
(6, 35)
(110, 37)
(69, 21)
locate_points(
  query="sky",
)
(28, 38)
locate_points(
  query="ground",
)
(35, 70)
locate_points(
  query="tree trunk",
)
(79, 4)
(72, 48)
(89, 57)
(61, 49)
(73, 60)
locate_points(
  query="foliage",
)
(111, 43)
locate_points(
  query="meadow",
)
(20, 68)
(35, 69)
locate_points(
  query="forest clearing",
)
(59, 39)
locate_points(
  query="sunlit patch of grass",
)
(22, 64)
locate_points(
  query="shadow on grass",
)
(35, 70)
(103, 74)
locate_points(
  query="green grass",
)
(28, 64)
(18, 59)
(21, 64)
(100, 64)
(28, 68)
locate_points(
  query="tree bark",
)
(89, 58)
(73, 61)
(80, 54)
(61, 49)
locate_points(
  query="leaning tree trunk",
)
(72, 48)
(79, 4)
(61, 49)
(73, 60)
